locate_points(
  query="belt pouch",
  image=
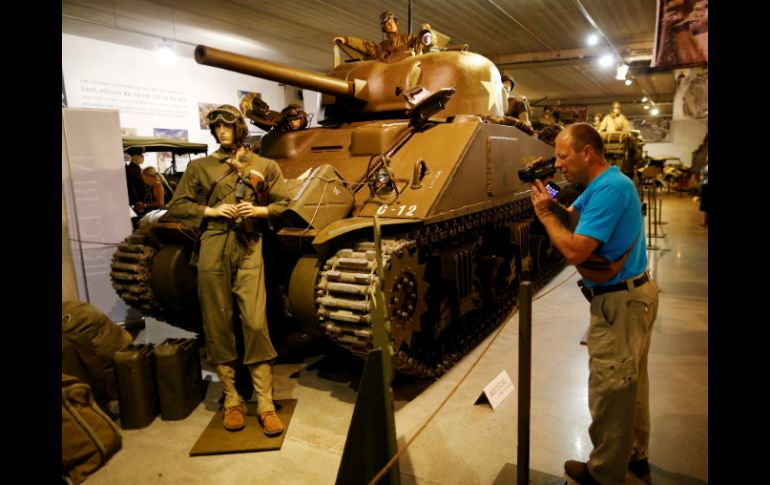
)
(585, 291)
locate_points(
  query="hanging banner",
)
(681, 34)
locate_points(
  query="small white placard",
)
(496, 391)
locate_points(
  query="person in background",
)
(615, 120)
(234, 196)
(606, 243)
(136, 189)
(155, 194)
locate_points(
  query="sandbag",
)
(107, 336)
(89, 437)
(78, 359)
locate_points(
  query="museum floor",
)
(467, 443)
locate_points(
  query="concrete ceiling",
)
(541, 43)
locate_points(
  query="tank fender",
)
(331, 235)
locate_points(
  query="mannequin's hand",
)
(225, 210)
(247, 209)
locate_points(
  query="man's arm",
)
(576, 248)
(568, 217)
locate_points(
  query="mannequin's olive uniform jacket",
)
(230, 260)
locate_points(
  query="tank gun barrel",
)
(293, 76)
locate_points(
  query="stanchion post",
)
(660, 214)
(525, 384)
(651, 214)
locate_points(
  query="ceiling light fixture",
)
(655, 111)
(628, 82)
(646, 106)
(592, 39)
(606, 60)
(645, 99)
(165, 53)
(621, 72)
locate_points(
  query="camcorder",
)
(539, 171)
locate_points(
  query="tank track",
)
(131, 266)
(348, 278)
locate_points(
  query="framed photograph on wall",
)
(681, 34)
(203, 111)
(654, 131)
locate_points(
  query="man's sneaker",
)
(271, 425)
(578, 471)
(233, 418)
(641, 468)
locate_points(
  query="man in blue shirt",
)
(608, 248)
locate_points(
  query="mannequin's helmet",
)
(229, 115)
(384, 16)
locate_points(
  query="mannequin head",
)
(389, 22)
(293, 118)
(227, 116)
(508, 82)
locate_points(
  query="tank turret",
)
(406, 140)
(359, 90)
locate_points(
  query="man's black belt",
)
(623, 285)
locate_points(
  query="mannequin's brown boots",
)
(271, 424)
(234, 418)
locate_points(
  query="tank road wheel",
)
(542, 250)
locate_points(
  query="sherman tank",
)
(408, 140)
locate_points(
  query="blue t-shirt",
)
(611, 213)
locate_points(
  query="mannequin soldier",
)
(234, 195)
(517, 113)
(394, 41)
(615, 120)
(518, 106)
(597, 122)
(547, 118)
(291, 118)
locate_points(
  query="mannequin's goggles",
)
(223, 116)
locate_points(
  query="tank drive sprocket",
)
(345, 289)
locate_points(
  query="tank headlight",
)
(383, 176)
